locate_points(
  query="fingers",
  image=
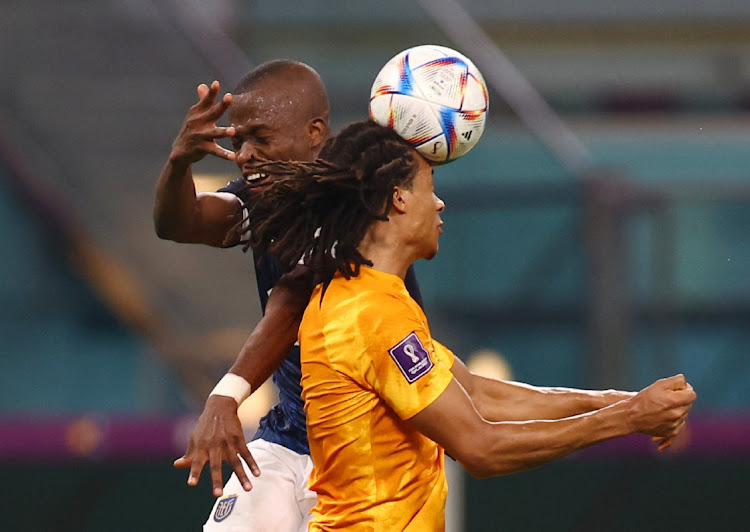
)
(665, 444)
(186, 460)
(239, 470)
(675, 431)
(203, 91)
(215, 112)
(205, 142)
(684, 393)
(183, 462)
(215, 149)
(249, 460)
(220, 132)
(215, 461)
(199, 134)
(674, 428)
(221, 106)
(207, 96)
(208, 93)
(686, 396)
(218, 438)
(677, 382)
(669, 435)
(662, 443)
(215, 458)
(674, 436)
(195, 469)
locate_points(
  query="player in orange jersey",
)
(384, 400)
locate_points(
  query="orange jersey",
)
(369, 363)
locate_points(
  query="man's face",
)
(271, 125)
(424, 209)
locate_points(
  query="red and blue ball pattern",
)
(435, 98)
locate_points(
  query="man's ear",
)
(399, 200)
(318, 132)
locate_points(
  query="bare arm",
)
(498, 400)
(488, 448)
(218, 435)
(276, 333)
(179, 213)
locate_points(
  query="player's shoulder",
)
(395, 298)
(237, 187)
(366, 297)
(393, 304)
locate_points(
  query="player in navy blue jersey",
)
(285, 423)
(279, 111)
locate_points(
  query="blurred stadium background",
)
(598, 236)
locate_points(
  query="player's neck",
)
(385, 250)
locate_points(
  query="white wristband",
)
(233, 386)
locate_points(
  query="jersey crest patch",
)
(224, 507)
(411, 357)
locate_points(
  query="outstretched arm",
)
(179, 213)
(499, 400)
(218, 435)
(276, 333)
(488, 448)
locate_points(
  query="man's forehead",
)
(425, 170)
(256, 108)
(263, 98)
(422, 163)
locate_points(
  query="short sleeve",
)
(406, 370)
(234, 186)
(444, 355)
(239, 188)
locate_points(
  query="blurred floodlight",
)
(83, 436)
(490, 363)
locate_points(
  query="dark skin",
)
(218, 435)
(179, 213)
(264, 128)
(285, 117)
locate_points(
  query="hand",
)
(678, 442)
(199, 132)
(218, 438)
(662, 409)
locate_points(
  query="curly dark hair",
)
(320, 211)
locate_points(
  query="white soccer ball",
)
(435, 98)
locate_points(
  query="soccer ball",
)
(435, 98)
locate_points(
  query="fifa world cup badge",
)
(411, 357)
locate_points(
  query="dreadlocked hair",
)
(320, 211)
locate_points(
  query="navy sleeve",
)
(413, 286)
(267, 268)
(234, 186)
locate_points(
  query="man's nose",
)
(245, 152)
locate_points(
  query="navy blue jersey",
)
(285, 423)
